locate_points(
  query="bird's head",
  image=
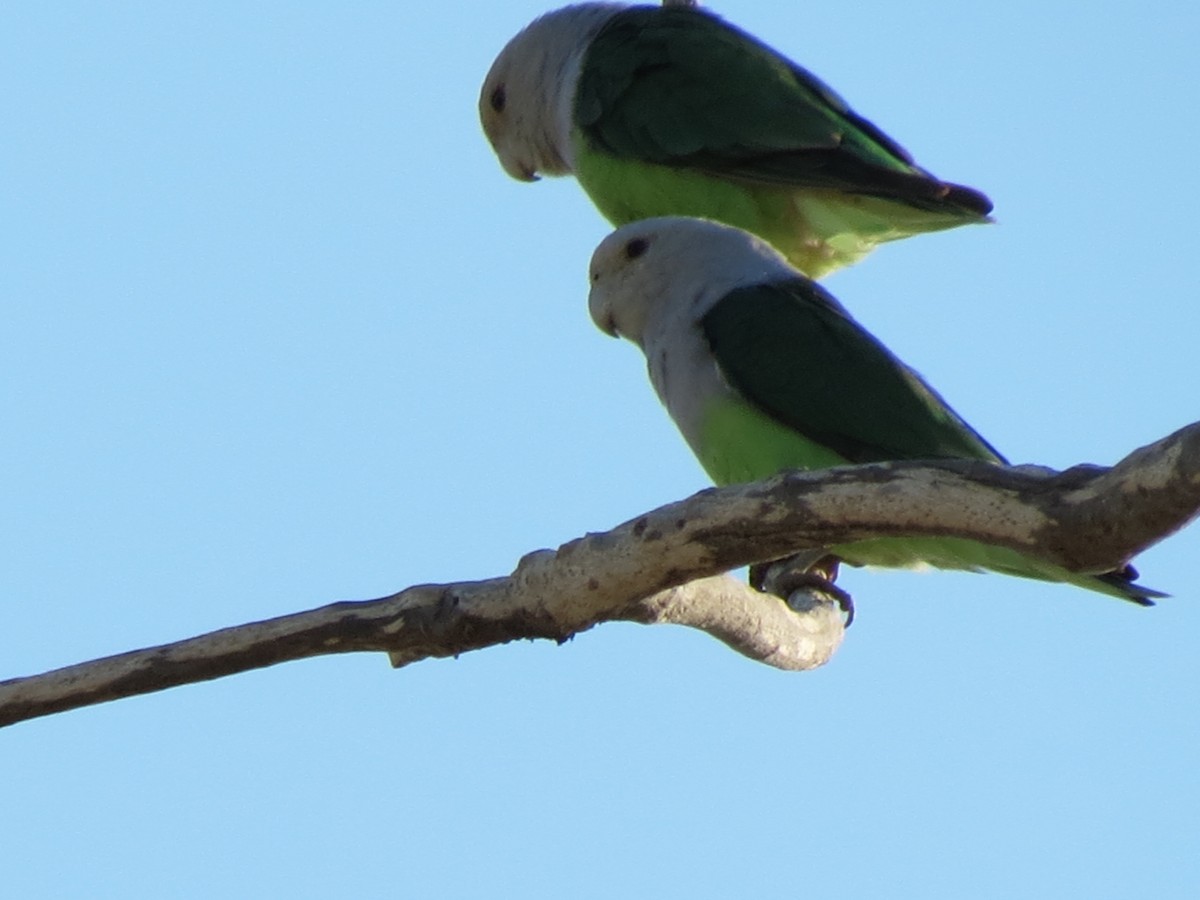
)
(672, 265)
(624, 281)
(525, 105)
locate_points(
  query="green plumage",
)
(790, 346)
(820, 391)
(676, 85)
(679, 113)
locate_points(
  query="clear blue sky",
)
(278, 331)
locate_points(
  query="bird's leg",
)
(814, 570)
(761, 574)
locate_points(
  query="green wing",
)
(789, 349)
(678, 86)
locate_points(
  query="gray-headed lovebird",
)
(762, 370)
(671, 111)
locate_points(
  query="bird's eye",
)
(636, 248)
(499, 98)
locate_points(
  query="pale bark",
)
(665, 567)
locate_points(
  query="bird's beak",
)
(601, 315)
(519, 170)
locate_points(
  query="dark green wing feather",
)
(790, 349)
(679, 86)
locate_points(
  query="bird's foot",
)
(801, 572)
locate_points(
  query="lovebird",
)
(663, 111)
(763, 370)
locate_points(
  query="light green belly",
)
(738, 444)
(818, 230)
(741, 445)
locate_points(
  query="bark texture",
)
(666, 567)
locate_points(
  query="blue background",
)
(277, 331)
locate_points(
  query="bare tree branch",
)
(666, 565)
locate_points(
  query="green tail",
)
(972, 556)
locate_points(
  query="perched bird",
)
(671, 111)
(763, 370)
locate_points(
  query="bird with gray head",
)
(762, 370)
(672, 111)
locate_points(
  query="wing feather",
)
(791, 349)
(679, 86)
